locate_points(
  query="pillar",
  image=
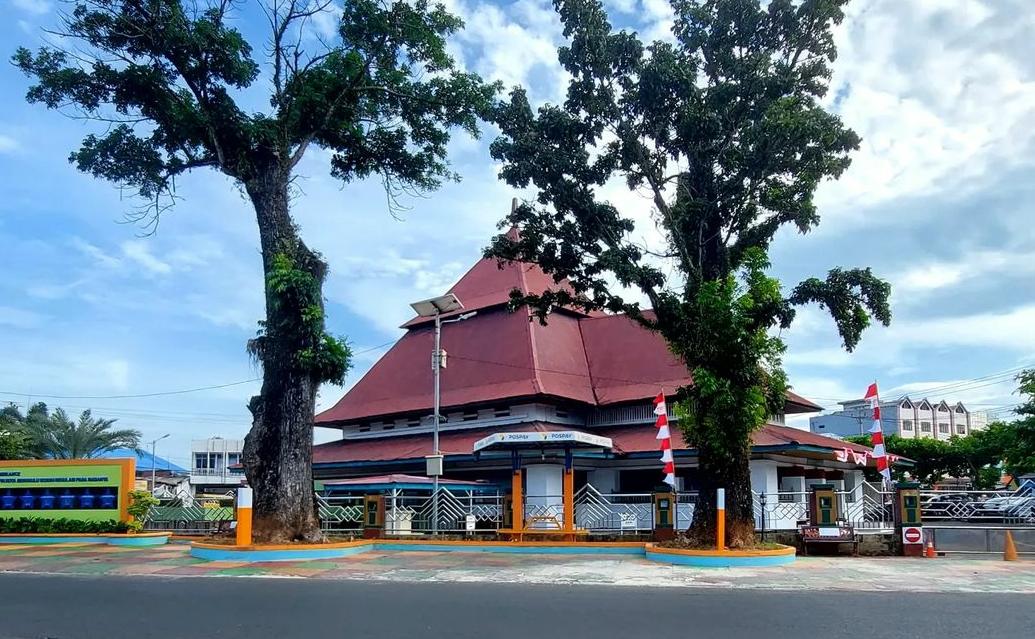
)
(764, 480)
(517, 503)
(544, 492)
(568, 491)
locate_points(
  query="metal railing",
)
(1014, 508)
(867, 508)
(191, 515)
(458, 512)
(340, 514)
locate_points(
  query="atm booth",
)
(542, 496)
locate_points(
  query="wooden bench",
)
(515, 534)
(840, 533)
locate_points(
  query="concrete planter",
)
(721, 558)
(112, 539)
(138, 539)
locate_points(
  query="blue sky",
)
(938, 200)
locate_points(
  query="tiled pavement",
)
(807, 573)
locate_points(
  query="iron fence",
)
(1014, 508)
(187, 514)
(867, 508)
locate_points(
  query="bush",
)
(140, 504)
(43, 525)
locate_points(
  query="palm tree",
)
(58, 437)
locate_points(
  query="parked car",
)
(948, 505)
(1002, 509)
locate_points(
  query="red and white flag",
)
(880, 455)
(665, 436)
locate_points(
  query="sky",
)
(938, 200)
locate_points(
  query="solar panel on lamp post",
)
(436, 307)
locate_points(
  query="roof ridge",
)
(537, 380)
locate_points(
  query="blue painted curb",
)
(149, 540)
(714, 561)
(213, 554)
(28, 539)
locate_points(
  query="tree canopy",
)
(42, 434)
(724, 128)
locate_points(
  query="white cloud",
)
(140, 252)
(19, 318)
(910, 341)
(95, 253)
(939, 109)
(326, 22)
(937, 275)
(35, 7)
(8, 144)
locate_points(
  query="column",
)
(764, 480)
(517, 504)
(544, 488)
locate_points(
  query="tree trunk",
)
(732, 473)
(278, 450)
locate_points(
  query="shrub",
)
(140, 504)
(43, 525)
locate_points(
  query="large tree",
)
(722, 126)
(175, 85)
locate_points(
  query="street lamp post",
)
(154, 445)
(436, 307)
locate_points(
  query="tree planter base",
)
(721, 558)
(112, 539)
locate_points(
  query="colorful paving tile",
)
(813, 573)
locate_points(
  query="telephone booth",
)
(664, 515)
(909, 519)
(823, 507)
(373, 516)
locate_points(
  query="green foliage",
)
(165, 77)
(725, 130)
(12, 442)
(43, 525)
(140, 504)
(321, 355)
(57, 436)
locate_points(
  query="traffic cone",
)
(930, 550)
(1009, 549)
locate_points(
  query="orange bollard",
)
(720, 519)
(1009, 549)
(244, 516)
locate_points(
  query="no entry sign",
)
(912, 535)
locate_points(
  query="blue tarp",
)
(144, 460)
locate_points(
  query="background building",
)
(216, 464)
(904, 417)
(581, 373)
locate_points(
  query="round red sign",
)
(911, 535)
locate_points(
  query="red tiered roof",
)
(589, 358)
(626, 439)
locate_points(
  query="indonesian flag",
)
(665, 437)
(880, 455)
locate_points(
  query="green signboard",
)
(87, 489)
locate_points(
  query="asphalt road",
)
(75, 607)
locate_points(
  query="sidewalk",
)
(807, 573)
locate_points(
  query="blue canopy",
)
(144, 460)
